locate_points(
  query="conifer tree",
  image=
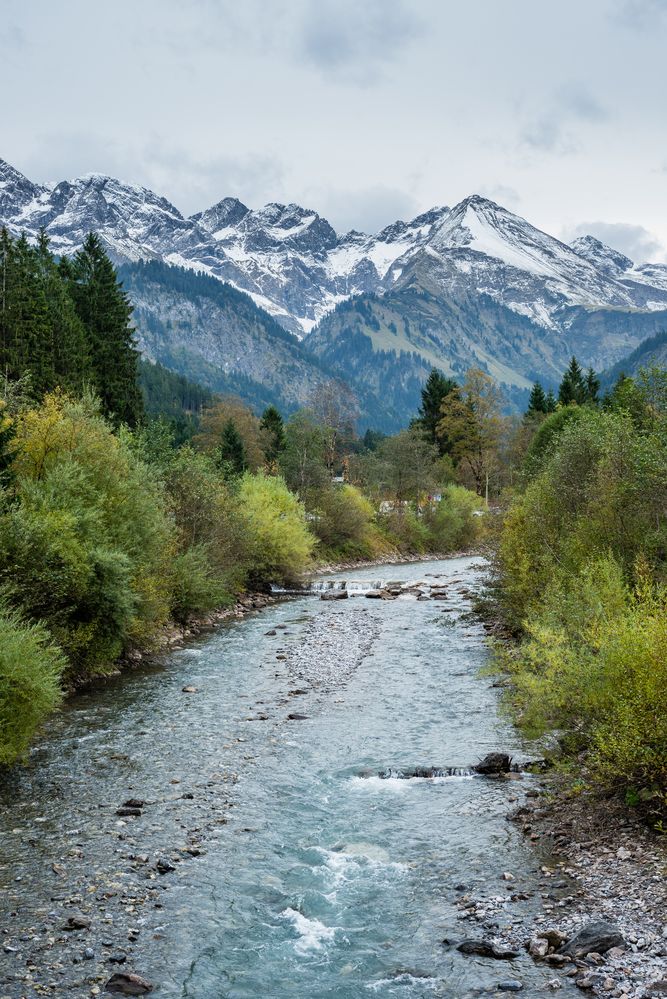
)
(537, 402)
(435, 390)
(274, 429)
(592, 387)
(105, 311)
(573, 386)
(550, 402)
(231, 453)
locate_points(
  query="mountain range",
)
(270, 302)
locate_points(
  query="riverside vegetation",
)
(129, 497)
(582, 582)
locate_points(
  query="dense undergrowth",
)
(582, 581)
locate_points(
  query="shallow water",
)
(320, 878)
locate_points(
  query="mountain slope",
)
(470, 284)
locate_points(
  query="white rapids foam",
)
(312, 933)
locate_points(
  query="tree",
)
(302, 462)
(471, 425)
(334, 407)
(231, 452)
(573, 385)
(592, 387)
(274, 434)
(537, 402)
(106, 312)
(214, 420)
(407, 467)
(550, 402)
(436, 388)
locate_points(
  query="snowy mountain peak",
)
(291, 261)
(16, 190)
(222, 215)
(605, 257)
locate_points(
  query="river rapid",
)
(297, 870)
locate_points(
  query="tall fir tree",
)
(231, 452)
(573, 386)
(592, 387)
(537, 402)
(436, 388)
(550, 402)
(105, 311)
(274, 429)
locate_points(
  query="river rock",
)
(77, 923)
(494, 763)
(334, 595)
(297, 717)
(128, 811)
(128, 984)
(164, 866)
(510, 985)
(487, 948)
(538, 947)
(189, 689)
(597, 937)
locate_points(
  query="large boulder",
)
(494, 763)
(596, 937)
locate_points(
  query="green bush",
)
(280, 542)
(455, 522)
(30, 669)
(343, 520)
(86, 545)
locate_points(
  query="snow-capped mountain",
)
(470, 284)
(292, 263)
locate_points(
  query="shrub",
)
(87, 545)
(280, 542)
(30, 669)
(455, 522)
(343, 519)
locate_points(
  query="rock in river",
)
(487, 948)
(495, 763)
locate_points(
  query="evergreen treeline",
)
(67, 324)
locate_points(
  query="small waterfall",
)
(353, 586)
(424, 773)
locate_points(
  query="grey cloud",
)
(634, 241)
(640, 14)
(352, 41)
(553, 128)
(191, 183)
(369, 209)
(501, 193)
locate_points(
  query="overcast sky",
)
(366, 110)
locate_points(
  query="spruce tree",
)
(231, 452)
(274, 428)
(550, 402)
(68, 344)
(573, 386)
(537, 402)
(105, 312)
(435, 390)
(592, 387)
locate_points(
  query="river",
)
(298, 871)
